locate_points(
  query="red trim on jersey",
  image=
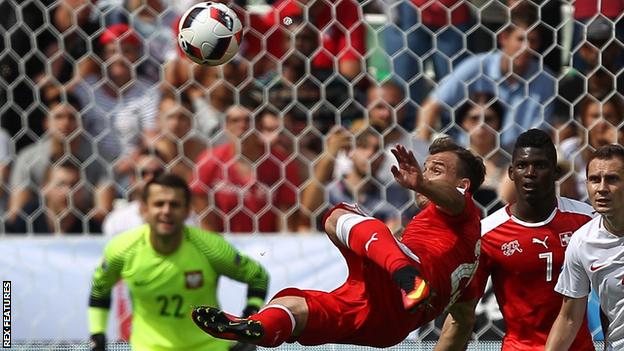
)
(124, 312)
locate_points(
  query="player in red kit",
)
(393, 287)
(523, 247)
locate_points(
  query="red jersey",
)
(343, 36)
(589, 8)
(272, 187)
(525, 260)
(448, 249)
(368, 308)
(438, 13)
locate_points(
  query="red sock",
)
(277, 323)
(373, 239)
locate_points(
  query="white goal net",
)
(96, 96)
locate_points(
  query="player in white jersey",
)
(595, 255)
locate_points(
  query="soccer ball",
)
(210, 33)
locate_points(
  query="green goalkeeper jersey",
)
(164, 288)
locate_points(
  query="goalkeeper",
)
(169, 268)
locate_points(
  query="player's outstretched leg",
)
(225, 326)
(349, 227)
(270, 327)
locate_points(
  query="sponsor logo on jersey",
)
(564, 238)
(594, 268)
(373, 238)
(541, 242)
(511, 248)
(194, 280)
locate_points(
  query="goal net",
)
(301, 74)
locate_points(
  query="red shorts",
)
(366, 310)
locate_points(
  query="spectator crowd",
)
(97, 99)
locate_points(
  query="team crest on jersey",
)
(194, 280)
(565, 238)
(511, 248)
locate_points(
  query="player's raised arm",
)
(438, 190)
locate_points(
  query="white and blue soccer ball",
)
(210, 33)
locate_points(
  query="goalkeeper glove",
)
(249, 310)
(97, 342)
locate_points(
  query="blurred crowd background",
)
(96, 98)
